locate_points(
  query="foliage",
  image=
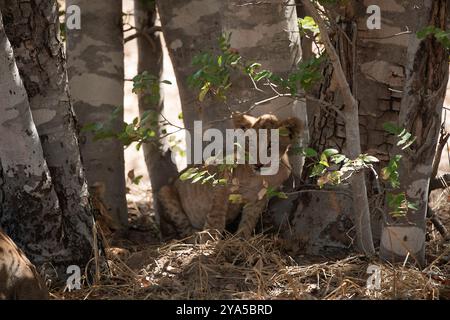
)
(333, 168)
(399, 204)
(305, 76)
(214, 73)
(441, 35)
(308, 24)
(203, 176)
(142, 129)
(405, 138)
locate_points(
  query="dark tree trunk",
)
(160, 167)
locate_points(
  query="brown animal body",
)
(19, 279)
(195, 207)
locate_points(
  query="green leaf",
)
(198, 176)
(409, 143)
(188, 174)
(391, 128)
(413, 206)
(310, 152)
(338, 158)
(204, 90)
(324, 160)
(330, 152)
(370, 159)
(308, 23)
(235, 198)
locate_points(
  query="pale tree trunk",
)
(426, 73)
(266, 33)
(160, 167)
(258, 30)
(30, 213)
(96, 75)
(33, 30)
(190, 28)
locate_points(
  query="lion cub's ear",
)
(243, 121)
(293, 126)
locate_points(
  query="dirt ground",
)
(140, 267)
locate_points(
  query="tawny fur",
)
(194, 206)
(19, 279)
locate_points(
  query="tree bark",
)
(30, 213)
(377, 74)
(160, 167)
(190, 27)
(426, 77)
(351, 117)
(33, 30)
(96, 75)
(266, 33)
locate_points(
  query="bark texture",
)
(95, 68)
(267, 33)
(264, 32)
(426, 77)
(190, 27)
(30, 211)
(160, 167)
(378, 73)
(361, 219)
(33, 30)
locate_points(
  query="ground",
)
(140, 267)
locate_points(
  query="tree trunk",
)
(160, 167)
(426, 76)
(190, 27)
(376, 73)
(96, 72)
(273, 25)
(30, 212)
(41, 63)
(266, 33)
(364, 241)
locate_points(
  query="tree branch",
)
(353, 143)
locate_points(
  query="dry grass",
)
(256, 269)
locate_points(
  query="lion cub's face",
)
(288, 131)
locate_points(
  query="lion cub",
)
(194, 207)
(19, 279)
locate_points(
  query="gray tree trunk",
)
(150, 58)
(96, 75)
(30, 213)
(190, 27)
(41, 63)
(377, 73)
(266, 33)
(426, 77)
